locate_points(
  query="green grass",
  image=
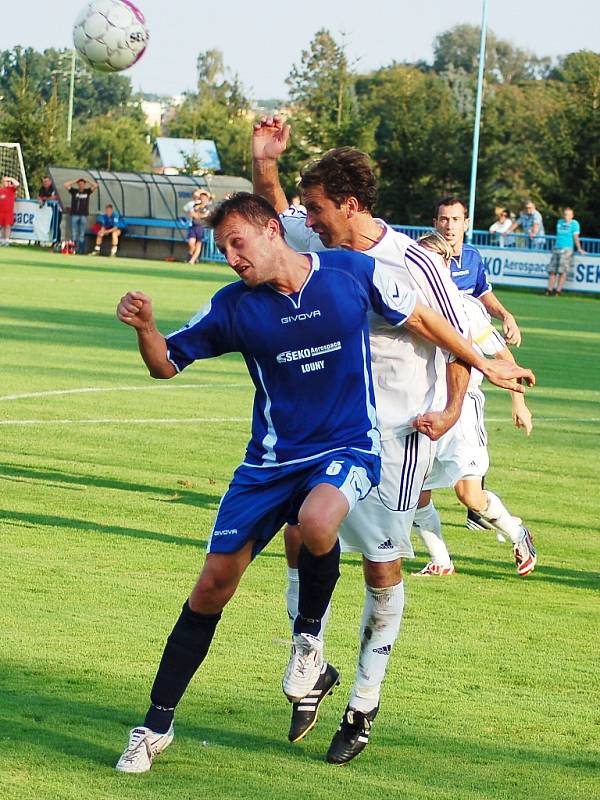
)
(492, 691)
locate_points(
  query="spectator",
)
(567, 239)
(111, 222)
(297, 204)
(47, 191)
(532, 226)
(502, 227)
(80, 209)
(198, 211)
(8, 194)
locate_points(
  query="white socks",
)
(380, 625)
(497, 514)
(291, 601)
(428, 526)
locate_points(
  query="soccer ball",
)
(110, 35)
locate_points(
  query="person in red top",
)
(8, 193)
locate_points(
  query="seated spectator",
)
(8, 194)
(561, 263)
(531, 223)
(502, 227)
(111, 222)
(47, 191)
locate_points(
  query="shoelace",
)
(137, 737)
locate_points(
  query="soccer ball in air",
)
(110, 35)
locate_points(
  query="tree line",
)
(540, 133)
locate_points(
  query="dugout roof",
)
(145, 194)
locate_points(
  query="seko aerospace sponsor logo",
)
(308, 352)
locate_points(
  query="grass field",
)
(109, 484)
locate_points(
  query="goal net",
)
(11, 163)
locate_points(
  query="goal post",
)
(11, 163)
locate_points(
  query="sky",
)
(261, 43)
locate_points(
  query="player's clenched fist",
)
(135, 309)
(269, 138)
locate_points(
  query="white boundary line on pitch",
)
(208, 420)
(92, 389)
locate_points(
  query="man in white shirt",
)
(339, 193)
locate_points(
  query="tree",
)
(219, 110)
(113, 143)
(38, 125)
(421, 140)
(325, 107)
(458, 49)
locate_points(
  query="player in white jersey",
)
(338, 193)
(462, 458)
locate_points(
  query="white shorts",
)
(463, 450)
(379, 526)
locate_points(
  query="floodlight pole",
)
(475, 156)
(71, 93)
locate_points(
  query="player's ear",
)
(352, 206)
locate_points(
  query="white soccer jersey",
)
(404, 365)
(485, 337)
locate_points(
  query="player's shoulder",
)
(471, 255)
(350, 261)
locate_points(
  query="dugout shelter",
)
(151, 204)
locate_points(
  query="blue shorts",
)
(196, 232)
(261, 499)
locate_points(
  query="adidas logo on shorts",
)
(384, 651)
(387, 545)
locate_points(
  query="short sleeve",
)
(209, 333)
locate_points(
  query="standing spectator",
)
(8, 194)
(567, 239)
(111, 222)
(80, 209)
(198, 211)
(532, 226)
(47, 191)
(502, 227)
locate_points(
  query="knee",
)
(380, 575)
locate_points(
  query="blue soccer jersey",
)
(307, 354)
(468, 272)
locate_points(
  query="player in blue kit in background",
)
(314, 450)
(467, 270)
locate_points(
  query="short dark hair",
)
(251, 207)
(451, 200)
(109, 205)
(343, 172)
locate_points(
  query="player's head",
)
(436, 242)
(568, 214)
(6, 180)
(249, 234)
(451, 220)
(336, 189)
(46, 181)
(81, 182)
(109, 208)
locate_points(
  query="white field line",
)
(121, 421)
(212, 420)
(91, 389)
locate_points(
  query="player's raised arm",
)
(269, 140)
(135, 309)
(430, 325)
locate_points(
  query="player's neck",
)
(364, 233)
(292, 272)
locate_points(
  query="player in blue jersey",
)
(467, 269)
(300, 323)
